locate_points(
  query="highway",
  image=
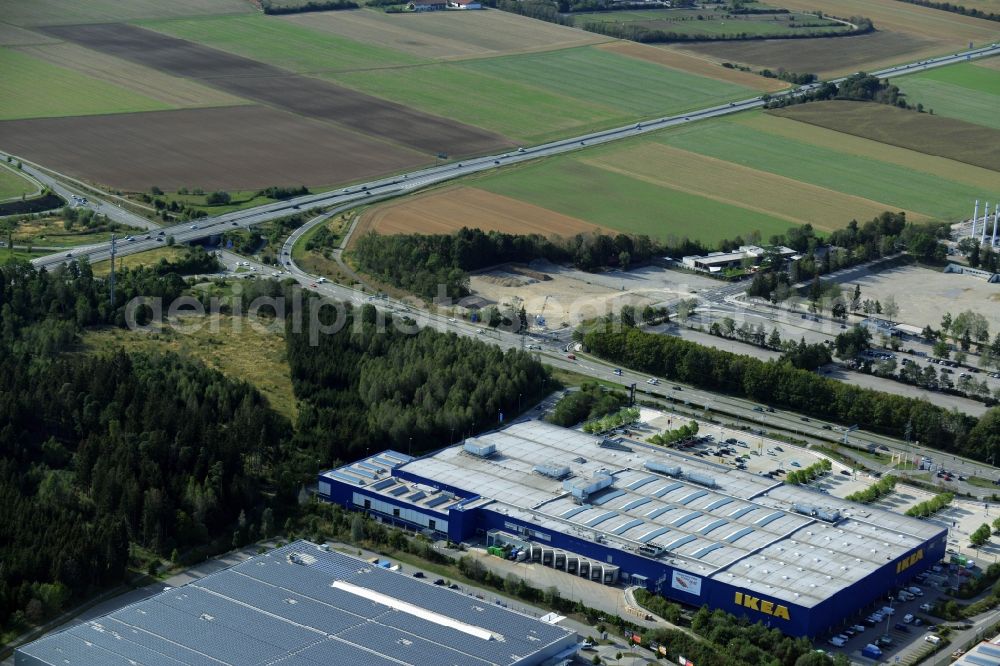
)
(550, 349)
(391, 186)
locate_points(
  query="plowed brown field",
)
(450, 209)
(232, 148)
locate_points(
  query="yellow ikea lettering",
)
(761, 605)
(908, 562)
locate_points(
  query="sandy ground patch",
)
(693, 64)
(173, 90)
(448, 210)
(846, 143)
(448, 35)
(734, 184)
(570, 296)
(989, 63)
(924, 295)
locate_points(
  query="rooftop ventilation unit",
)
(551, 471)
(581, 489)
(828, 515)
(701, 479)
(663, 468)
(479, 449)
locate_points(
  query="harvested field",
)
(713, 24)
(264, 83)
(972, 176)
(726, 182)
(693, 64)
(825, 57)
(170, 90)
(922, 132)
(33, 88)
(988, 63)
(448, 35)
(66, 12)
(448, 210)
(228, 148)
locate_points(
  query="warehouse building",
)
(623, 512)
(305, 606)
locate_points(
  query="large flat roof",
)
(712, 521)
(299, 605)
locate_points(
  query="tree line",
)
(638, 32)
(271, 8)
(957, 9)
(781, 384)
(858, 87)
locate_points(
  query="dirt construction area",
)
(924, 295)
(223, 148)
(565, 296)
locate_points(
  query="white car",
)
(908, 618)
(926, 608)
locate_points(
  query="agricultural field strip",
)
(448, 36)
(264, 83)
(953, 101)
(172, 90)
(220, 148)
(449, 209)
(904, 188)
(28, 13)
(825, 57)
(932, 165)
(922, 132)
(33, 88)
(731, 183)
(379, 189)
(694, 64)
(616, 201)
(753, 24)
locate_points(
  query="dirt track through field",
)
(231, 148)
(277, 87)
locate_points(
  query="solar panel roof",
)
(283, 608)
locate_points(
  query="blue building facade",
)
(466, 516)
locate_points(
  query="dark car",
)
(902, 627)
(439, 581)
(845, 472)
(418, 574)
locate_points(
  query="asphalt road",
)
(403, 184)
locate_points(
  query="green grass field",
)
(13, 184)
(32, 88)
(963, 91)
(932, 195)
(540, 96)
(515, 109)
(617, 201)
(283, 44)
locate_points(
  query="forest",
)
(374, 385)
(782, 385)
(128, 458)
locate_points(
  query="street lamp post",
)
(888, 617)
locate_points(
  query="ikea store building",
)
(635, 514)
